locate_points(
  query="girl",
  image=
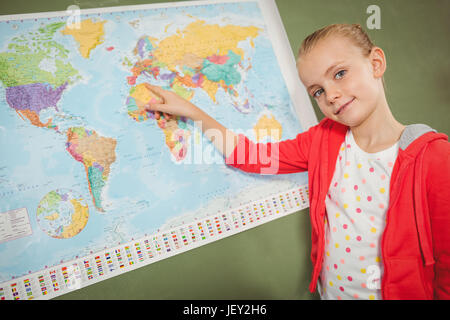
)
(379, 190)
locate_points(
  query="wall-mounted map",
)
(84, 169)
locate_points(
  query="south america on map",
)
(89, 164)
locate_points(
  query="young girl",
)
(379, 190)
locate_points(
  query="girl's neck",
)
(379, 131)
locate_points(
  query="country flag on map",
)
(28, 291)
(42, 285)
(14, 291)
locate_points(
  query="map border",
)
(88, 270)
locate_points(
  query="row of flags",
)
(57, 280)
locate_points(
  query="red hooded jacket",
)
(416, 240)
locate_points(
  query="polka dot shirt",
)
(356, 206)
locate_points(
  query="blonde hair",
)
(353, 32)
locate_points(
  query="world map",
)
(89, 164)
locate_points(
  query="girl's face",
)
(346, 84)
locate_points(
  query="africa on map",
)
(89, 165)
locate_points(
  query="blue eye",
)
(340, 74)
(317, 93)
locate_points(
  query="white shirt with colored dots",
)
(356, 206)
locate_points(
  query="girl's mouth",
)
(343, 107)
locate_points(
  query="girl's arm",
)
(173, 105)
(287, 156)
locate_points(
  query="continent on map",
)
(144, 95)
(138, 97)
(79, 219)
(89, 35)
(35, 72)
(208, 56)
(96, 153)
(205, 56)
(175, 130)
(268, 127)
(177, 136)
(29, 99)
(62, 214)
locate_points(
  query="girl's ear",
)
(378, 61)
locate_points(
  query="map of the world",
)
(87, 166)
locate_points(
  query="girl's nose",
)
(333, 94)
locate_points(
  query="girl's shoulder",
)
(439, 149)
(436, 158)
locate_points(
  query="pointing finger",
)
(155, 89)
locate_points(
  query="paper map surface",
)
(84, 168)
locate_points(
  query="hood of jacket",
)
(410, 142)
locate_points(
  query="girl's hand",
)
(172, 104)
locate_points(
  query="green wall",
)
(272, 261)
